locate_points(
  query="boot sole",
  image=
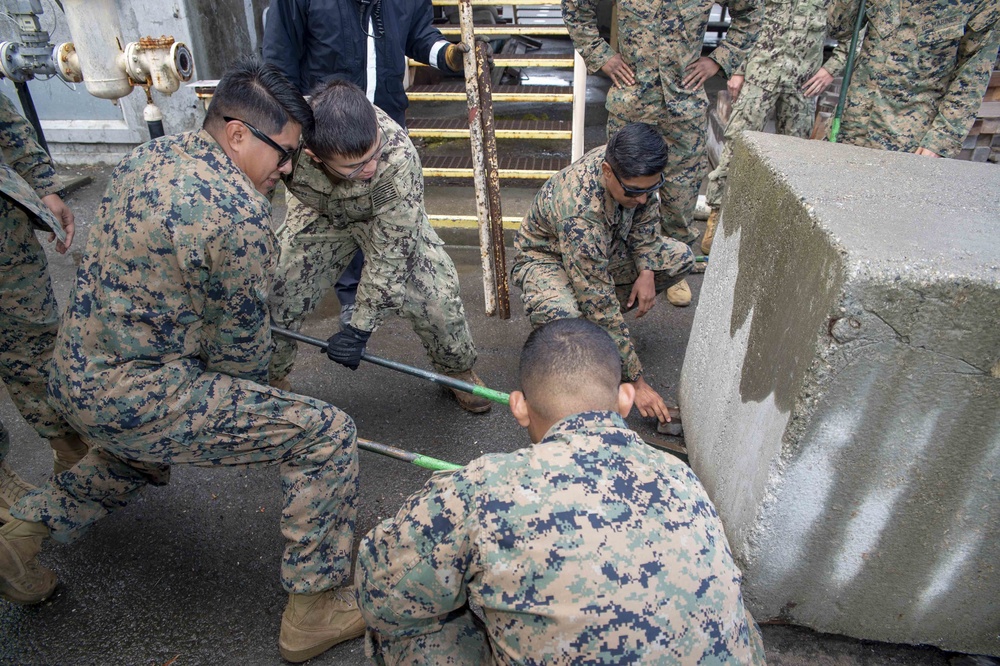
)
(303, 654)
(14, 596)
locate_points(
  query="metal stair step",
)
(492, 3)
(524, 60)
(458, 128)
(455, 92)
(508, 29)
(511, 166)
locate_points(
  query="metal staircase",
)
(531, 18)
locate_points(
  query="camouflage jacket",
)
(170, 299)
(385, 214)
(659, 38)
(575, 222)
(922, 69)
(588, 547)
(789, 48)
(26, 173)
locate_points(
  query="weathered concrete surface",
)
(837, 391)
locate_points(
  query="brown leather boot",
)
(706, 240)
(67, 452)
(12, 488)
(314, 623)
(467, 401)
(22, 579)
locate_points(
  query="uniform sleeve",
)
(22, 151)
(957, 109)
(236, 333)
(284, 38)
(644, 239)
(740, 37)
(389, 258)
(584, 250)
(840, 26)
(412, 569)
(580, 17)
(422, 35)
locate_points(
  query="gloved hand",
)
(347, 346)
(454, 56)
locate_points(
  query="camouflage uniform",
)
(578, 253)
(588, 547)
(921, 72)
(162, 359)
(788, 52)
(406, 267)
(29, 318)
(658, 39)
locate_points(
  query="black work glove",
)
(347, 346)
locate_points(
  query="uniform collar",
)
(594, 421)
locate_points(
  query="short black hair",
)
(571, 357)
(258, 94)
(636, 150)
(346, 124)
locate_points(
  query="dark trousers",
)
(347, 285)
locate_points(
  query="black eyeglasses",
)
(350, 176)
(633, 192)
(283, 153)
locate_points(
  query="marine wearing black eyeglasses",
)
(590, 246)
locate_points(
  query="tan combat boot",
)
(314, 623)
(679, 294)
(22, 579)
(67, 452)
(467, 401)
(12, 488)
(706, 240)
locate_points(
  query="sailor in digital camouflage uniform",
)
(359, 185)
(591, 248)
(920, 74)
(28, 316)
(163, 357)
(658, 75)
(783, 73)
(589, 547)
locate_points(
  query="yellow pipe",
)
(442, 172)
(459, 96)
(500, 133)
(469, 222)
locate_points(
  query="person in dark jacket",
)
(365, 42)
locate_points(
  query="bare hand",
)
(735, 85)
(620, 73)
(648, 402)
(925, 152)
(644, 290)
(698, 72)
(819, 82)
(64, 216)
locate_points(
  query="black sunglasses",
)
(283, 154)
(633, 192)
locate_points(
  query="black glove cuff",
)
(356, 333)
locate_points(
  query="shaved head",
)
(570, 366)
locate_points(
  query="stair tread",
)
(463, 123)
(505, 162)
(497, 90)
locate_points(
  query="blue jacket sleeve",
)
(422, 35)
(284, 38)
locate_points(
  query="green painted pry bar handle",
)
(848, 73)
(481, 391)
(407, 456)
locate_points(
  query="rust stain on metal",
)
(154, 42)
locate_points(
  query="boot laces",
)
(12, 487)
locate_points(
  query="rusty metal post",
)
(478, 167)
(497, 253)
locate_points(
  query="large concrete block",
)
(840, 390)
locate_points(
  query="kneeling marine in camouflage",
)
(590, 246)
(589, 547)
(162, 358)
(359, 185)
